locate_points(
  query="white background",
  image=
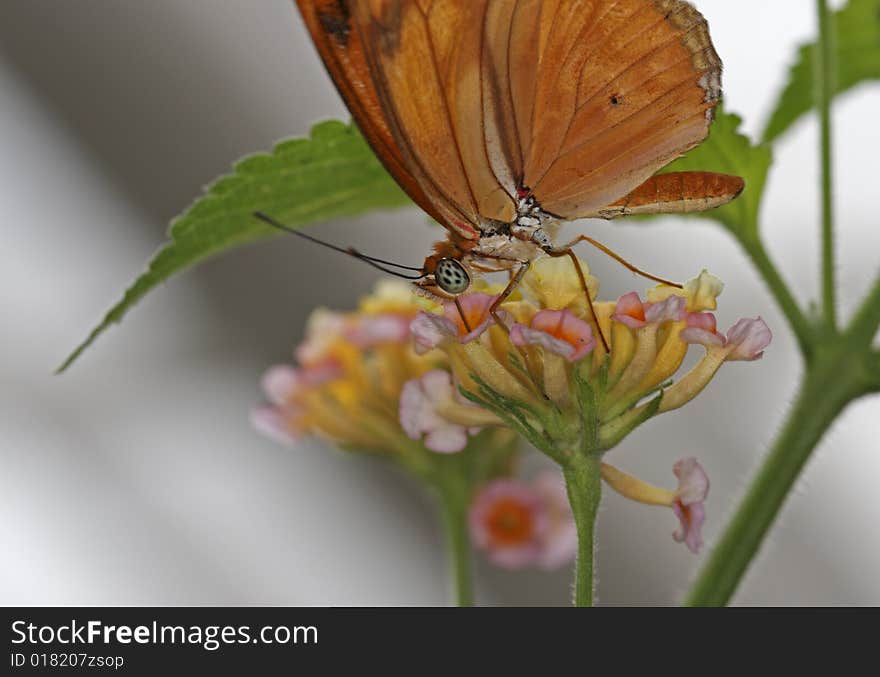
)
(135, 478)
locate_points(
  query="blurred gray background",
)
(136, 479)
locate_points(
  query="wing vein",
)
(393, 121)
(519, 141)
(617, 124)
(651, 77)
(583, 34)
(634, 64)
(445, 97)
(539, 68)
(629, 151)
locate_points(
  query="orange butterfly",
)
(500, 118)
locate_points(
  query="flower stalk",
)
(582, 479)
(454, 490)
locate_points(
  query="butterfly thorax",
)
(500, 252)
(501, 246)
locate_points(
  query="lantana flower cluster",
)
(546, 374)
(417, 380)
(352, 371)
(360, 383)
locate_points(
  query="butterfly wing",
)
(605, 93)
(581, 101)
(426, 56)
(342, 50)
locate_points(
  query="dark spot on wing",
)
(336, 21)
(387, 27)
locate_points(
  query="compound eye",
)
(451, 276)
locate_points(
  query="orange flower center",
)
(637, 312)
(565, 332)
(470, 320)
(510, 522)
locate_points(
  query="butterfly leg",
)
(569, 252)
(559, 251)
(464, 320)
(515, 278)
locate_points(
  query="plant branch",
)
(874, 372)
(454, 496)
(866, 321)
(830, 384)
(583, 481)
(801, 327)
(450, 476)
(825, 73)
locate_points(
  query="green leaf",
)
(856, 31)
(729, 152)
(331, 174)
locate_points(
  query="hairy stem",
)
(454, 492)
(874, 372)
(455, 497)
(825, 75)
(830, 384)
(799, 324)
(866, 321)
(583, 481)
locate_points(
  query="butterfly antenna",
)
(379, 264)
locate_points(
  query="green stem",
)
(454, 493)
(840, 368)
(825, 86)
(830, 384)
(799, 324)
(866, 321)
(874, 372)
(583, 481)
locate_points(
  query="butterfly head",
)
(447, 272)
